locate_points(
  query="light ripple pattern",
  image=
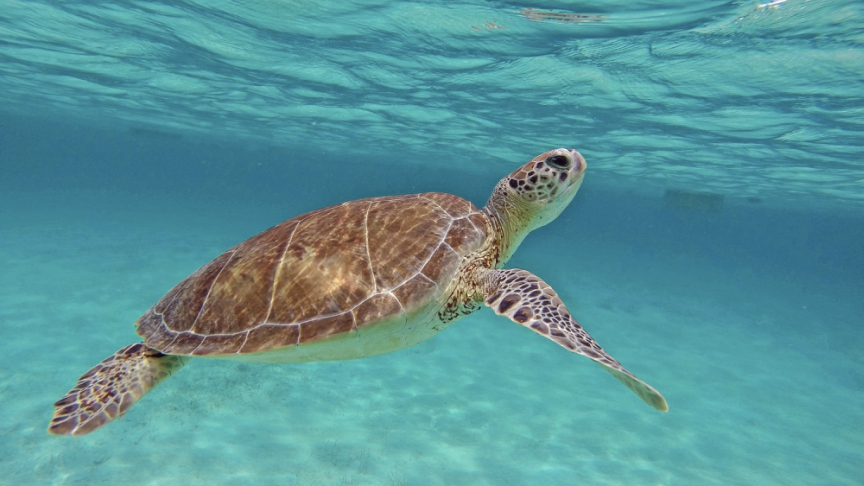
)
(732, 94)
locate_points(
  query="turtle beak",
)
(577, 168)
(579, 164)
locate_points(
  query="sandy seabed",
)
(762, 373)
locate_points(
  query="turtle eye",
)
(558, 161)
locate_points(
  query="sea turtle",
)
(359, 279)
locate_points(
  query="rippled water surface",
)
(715, 247)
(739, 97)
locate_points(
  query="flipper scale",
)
(110, 388)
(528, 301)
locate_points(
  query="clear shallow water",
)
(138, 140)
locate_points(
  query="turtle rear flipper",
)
(111, 387)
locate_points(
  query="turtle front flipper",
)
(529, 301)
(110, 388)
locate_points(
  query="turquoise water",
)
(715, 247)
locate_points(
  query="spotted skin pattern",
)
(538, 181)
(111, 387)
(529, 301)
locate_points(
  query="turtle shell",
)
(332, 271)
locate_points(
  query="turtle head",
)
(535, 194)
(542, 188)
(548, 183)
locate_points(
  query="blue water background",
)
(138, 140)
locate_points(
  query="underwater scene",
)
(714, 250)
